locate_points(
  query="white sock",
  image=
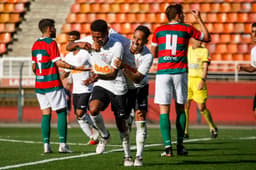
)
(84, 125)
(99, 124)
(141, 135)
(125, 138)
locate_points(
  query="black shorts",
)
(118, 102)
(68, 98)
(137, 99)
(254, 104)
(81, 101)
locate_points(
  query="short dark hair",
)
(99, 25)
(45, 23)
(74, 33)
(143, 29)
(254, 24)
(172, 10)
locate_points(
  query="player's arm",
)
(136, 76)
(63, 64)
(154, 51)
(82, 45)
(204, 75)
(64, 75)
(34, 67)
(207, 36)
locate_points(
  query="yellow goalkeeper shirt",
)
(196, 58)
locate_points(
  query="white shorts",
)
(170, 86)
(55, 100)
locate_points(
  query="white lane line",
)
(93, 154)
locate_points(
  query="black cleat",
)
(214, 133)
(186, 136)
(181, 150)
(167, 152)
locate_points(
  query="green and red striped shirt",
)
(172, 40)
(44, 54)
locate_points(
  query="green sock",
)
(207, 115)
(62, 126)
(180, 125)
(46, 128)
(165, 128)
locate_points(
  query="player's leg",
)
(140, 121)
(187, 107)
(163, 96)
(180, 96)
(130, 106)
(46, 121)
(118, 105)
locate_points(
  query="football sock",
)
(84, 125)
(46, 128)
(180, 126)
(207, 115)
(187, 121)
(125, 138)
(99, 124)
(62, 126)
(141, 135)
(165, 128)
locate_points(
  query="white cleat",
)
(64, 149)
(47, 148)
(138, 162)
(128, 161)
(102, 145)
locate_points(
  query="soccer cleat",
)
(128, 161)
(102, 144)
(214, 133)
(64, 149)
(186, 136)
(47, 148)
(181, 150)
(138, 161)
(167, 152)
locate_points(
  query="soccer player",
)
(135, 65)
(81, 92)
(109, 87)
(252, 66)
(169, 44)
(48, 86)
(198, 61)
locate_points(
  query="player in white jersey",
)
(135, 65)
(81, 92)
(252, 66)
(109, 85)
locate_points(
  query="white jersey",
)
(79, 59)
(103, 60)
(140, 62)
(253, 57)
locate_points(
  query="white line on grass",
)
(90, 154)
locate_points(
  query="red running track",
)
(229, 103)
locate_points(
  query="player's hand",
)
(85, 45)
(196, 13)
(82, 68)
(118, 63)
(93, 78)
(96, 46)
(201, 85)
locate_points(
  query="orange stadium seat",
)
(10, 27)
(238, 57)
(66, 28)
(1, 6)
(228, 28)
(134, 7)
(91, 17)
(116, 27)
(216, 57)
(151, 17)
(121, 17)
(243, 48)
(163, 6)
(225, 7)
(227, 57)
(232, 48)
(111, 17)
(76, 27)
(232, 17)
(218, 28)
(211, 47)
(161, 18)
(105, 7)
(222, 17)
(75, 8)
(246, 38)
(14, 18)
(81, 17)
(95, 7)
(9, 7)
(71, 18)
(221, 48)
(210, 27)
(247, 28)
(236, 38)
(144, 7)
(85, 28)
(225, 38)
(253, 7)
(5, 38)
(242, 17)
(115, 7)
(155, 7)
(20, 7)
(215, 38)
(239, 28)
(235, 7)
(131, 17)
(80, 1)
(215, 7)
(101, 16)
(2, 27)
(125, 7)
(84, 8)
(195, 6)
(247, 57)
(4, 17)
(126, 28)
(211, 17)
(2, 48)
(141, 17)
(205, 7)
(252, 17)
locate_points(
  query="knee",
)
(94, 108)
(79, 113)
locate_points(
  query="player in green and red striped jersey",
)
(170, 45)
(48, 86)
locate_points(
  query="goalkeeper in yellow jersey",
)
(198, 61)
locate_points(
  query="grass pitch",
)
(22, 148)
